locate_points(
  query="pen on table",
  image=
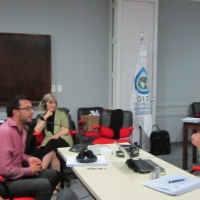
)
(96, 168)
(177, 180)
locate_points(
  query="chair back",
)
(105, 118)
(86, 111)
(196, 109)
(30, 139)
(71, 122)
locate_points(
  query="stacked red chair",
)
(106, 128)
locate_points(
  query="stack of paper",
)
(95, 113)
(71, 162)
(174, 184)
(191, 120)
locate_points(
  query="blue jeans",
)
(41, 187)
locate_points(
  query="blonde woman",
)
(54, 124)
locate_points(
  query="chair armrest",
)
(39, 137)
(36, 133)
(131, 128)
(73, 132)
(196, 168)
(81, 124)
(81, 121)
(96, 126)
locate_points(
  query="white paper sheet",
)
(163, 184)
(191, 120)
(71, 162)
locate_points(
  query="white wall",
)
(178, 63)
(79, 31)
(80, 52)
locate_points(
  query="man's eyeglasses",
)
(28, 108)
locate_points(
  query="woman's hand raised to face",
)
(48, 113)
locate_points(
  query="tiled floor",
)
(79, 189)
(176, 157)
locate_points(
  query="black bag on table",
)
(160, 142)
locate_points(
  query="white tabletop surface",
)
(118, 182)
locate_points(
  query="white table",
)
(118, 182)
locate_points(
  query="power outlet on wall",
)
(59, 88)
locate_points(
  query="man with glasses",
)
(32, 180)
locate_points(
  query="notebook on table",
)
(72, 162)
(174, 184)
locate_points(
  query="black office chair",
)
(72, 127)
(31, 139)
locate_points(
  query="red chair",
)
(195, 169)
(94, 134)
(40, 137)
(107, 134)
(17, 198)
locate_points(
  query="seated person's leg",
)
(54, 180)
(55, 163)
(52, 160)
(48, 154)
(53, 144)
(41, 187)
(47, 159)
(52, 175)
